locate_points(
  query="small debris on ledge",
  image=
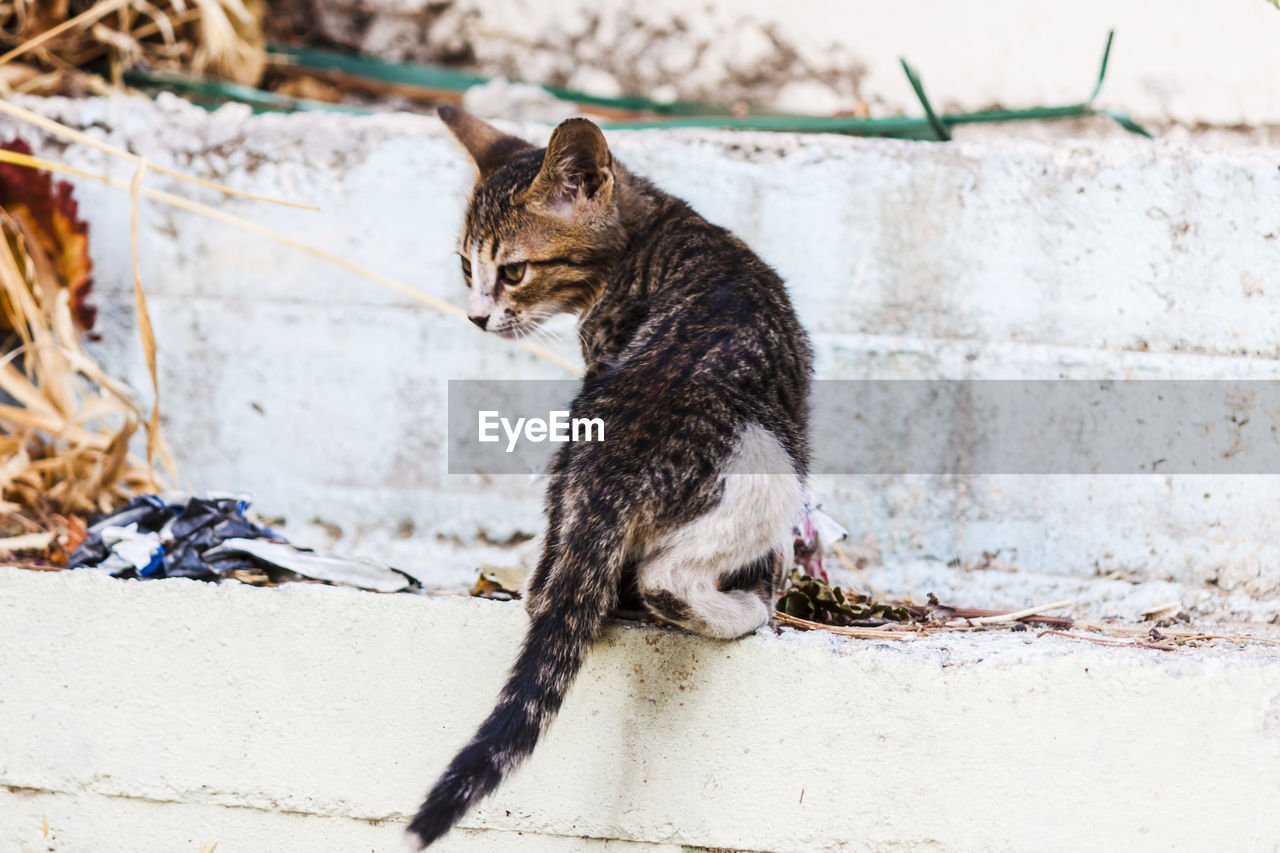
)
(214, 538)
(499, 583)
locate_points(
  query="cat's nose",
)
(481, 321)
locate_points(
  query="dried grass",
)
(144, 318)
(65, 445)
(231, 44)
(86, 17)
(65, 426)
(54, 48)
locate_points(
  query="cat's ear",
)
(577, 171)
(489, 147)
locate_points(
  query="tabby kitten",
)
(700, 371)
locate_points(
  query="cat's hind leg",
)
(696, 601)
(737, 603)
(713, 574)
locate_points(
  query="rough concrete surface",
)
(156, 716)
(906, 260)
(1184, 61)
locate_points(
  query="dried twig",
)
(144, 325)
(1235, 638)
(1101, 641)
(861, 633)
(1020, 614)
(1180, 634)
(1098, 640)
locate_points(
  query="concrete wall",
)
(324, 394)
(1180, 60)
(155, 717)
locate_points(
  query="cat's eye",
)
(466, 267)
(511, 273)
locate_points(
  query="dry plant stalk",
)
(845, 631)
(1015, 615)
(66, 447)
(232, 44)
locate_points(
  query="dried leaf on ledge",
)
(499, 583)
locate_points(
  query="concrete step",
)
(154, 716)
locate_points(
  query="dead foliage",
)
(66, 427)
(811, 602)
(812, 599)
(74, 47)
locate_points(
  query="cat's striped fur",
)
(700, 370)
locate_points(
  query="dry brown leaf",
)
(55, 239)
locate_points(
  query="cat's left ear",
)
(577, 172)
(489, 147)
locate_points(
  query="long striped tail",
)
(580, 591)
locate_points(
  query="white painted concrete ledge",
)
(158, 716)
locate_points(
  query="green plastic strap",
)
(1102, 72)
(1126, 122)
(678, 114)
(942, 125)
(1119, 118)
(942, 131)
(214, 93)
(433, 77)
(900, 128)
(427, 76)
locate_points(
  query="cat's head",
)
(542, 230)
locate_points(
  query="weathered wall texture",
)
(325, 395)
(1183, 60)
(153, 717)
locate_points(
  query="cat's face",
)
(542, 229)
